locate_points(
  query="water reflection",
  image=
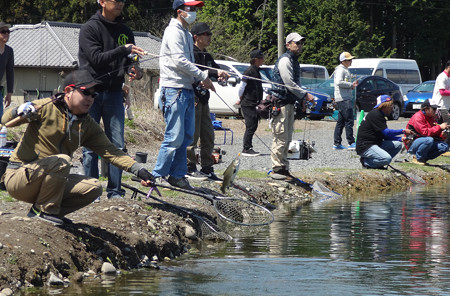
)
(389, 245)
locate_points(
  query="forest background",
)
(413, 29)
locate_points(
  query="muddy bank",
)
(141, 233)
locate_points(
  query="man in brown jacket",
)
(39, 168)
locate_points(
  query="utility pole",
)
(281, 45)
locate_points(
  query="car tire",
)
(395, 114)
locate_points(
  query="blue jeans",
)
(345, 119)
(109, 107)
(179, 115)
(379, 156)
(1, 105)
(426, 148)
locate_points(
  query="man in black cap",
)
(204, 129)
(6, 65)
(250, 94)
(39, 168)
(430, 137)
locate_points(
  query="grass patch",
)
(4, 195)
(252, 174)
(130, 123)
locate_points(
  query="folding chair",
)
(217, 124)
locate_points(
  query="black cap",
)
(427, 104)
(80, 79)
(256, 54)
(3, 24)
(200, 28)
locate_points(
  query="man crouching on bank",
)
(39, 168)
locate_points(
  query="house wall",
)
(28, 80)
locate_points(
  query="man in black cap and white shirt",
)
(6, 65)
(250, 94)
(204, 129)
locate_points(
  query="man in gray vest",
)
(287, 91)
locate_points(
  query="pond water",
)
(394, 244)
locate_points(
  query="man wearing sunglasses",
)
(39, 168)
(6, 66)
(286, 90)
(204, 129)
(105, 43)
(177, 74)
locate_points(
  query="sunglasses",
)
(301, 42)
(88, 92)
(5, 31)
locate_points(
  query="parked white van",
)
(403, 72)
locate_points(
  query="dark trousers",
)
(251, 124)
(345, 119)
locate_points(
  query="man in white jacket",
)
(177, 74)
(344, 104)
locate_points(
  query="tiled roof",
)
(55, 45)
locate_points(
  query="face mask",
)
(191, 16)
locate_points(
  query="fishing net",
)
(209, 230)
(242, 212)
(322, 193)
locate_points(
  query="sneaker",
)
(249, 152)
(361, 159)
(35, 213)
(196, 176)
(419, 162)
(339, 147)
(352, 146)
(278, 176)
(211, 176)
(180, 183)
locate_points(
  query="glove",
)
(26, 109)
(146, 176)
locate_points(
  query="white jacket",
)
(342, 84)
(177, 57)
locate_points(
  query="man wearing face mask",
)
(177, 74)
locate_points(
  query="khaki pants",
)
(205, 131)
(282, 129)
(47, 184)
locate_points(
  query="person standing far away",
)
(344, 102)
(441, 95)
(204, 129)
(105, 43)
(177, 75)
(6, 66)
(250, 94)
(286, 90)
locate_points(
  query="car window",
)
(228, 69)
(241, 68)
(361, 71)
(379, 72)
(368, 85)
(403, 76)
(424, 87)
(381, 84)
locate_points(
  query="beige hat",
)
(2, 25)
(345, 56)
(294, 37)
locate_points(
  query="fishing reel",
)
(200, 89)
(134, 68)
(222, 82)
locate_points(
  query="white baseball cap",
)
(294, 37)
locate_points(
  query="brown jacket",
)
(54, 130)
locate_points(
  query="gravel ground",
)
(319, 132)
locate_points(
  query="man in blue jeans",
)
(377, 144)
(430, 137)
(177, 74)
(343, 87)
(105, 44)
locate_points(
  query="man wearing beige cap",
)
(286, 90)
(343, 87)
(6, 65)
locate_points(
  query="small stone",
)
(54, 280)
(1, 246)
(190, 232)
(32, 251)
(121, 209)
(155, 258)
(7, 292)
(108, 268)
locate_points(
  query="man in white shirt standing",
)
(441, 97)
(177, 74)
